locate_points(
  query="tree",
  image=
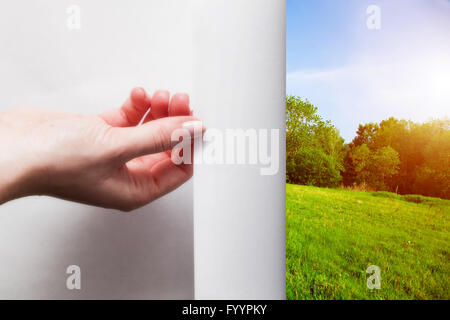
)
(365, 134)
(432, 178)
(401, 155)
(395, 155)
(360, 157)
(313, 167)
(374, 167)
(314, 147)
(384, 164)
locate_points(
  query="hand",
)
(102, 160)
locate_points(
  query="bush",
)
(311, 166)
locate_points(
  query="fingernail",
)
(184, 95)
(195, 128)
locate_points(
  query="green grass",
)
(334, 235)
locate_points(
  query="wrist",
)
(17, 180)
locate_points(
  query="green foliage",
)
(393, 155)
(361, 160)
(432, 182)
(314, 148)
(432, 178)
(334, 235)
(374, 167)
(311, 166)
(402, 156)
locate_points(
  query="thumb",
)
(152, 137)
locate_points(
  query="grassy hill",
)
(334, 235)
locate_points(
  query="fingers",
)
(139, 102)
(136, 106)
(163, 106)
(131, 111)
(160, 105)
(179, 105)
(152, 137)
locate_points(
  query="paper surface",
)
(44, 64)
(239, 214)
(230, 56)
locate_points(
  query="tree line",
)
(394, 155)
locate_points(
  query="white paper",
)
(239, 214)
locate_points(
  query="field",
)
(333, 235)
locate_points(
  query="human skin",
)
(102, 160)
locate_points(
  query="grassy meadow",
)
(333, 235)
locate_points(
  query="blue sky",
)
(357, 75)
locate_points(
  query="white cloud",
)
(417, 89)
